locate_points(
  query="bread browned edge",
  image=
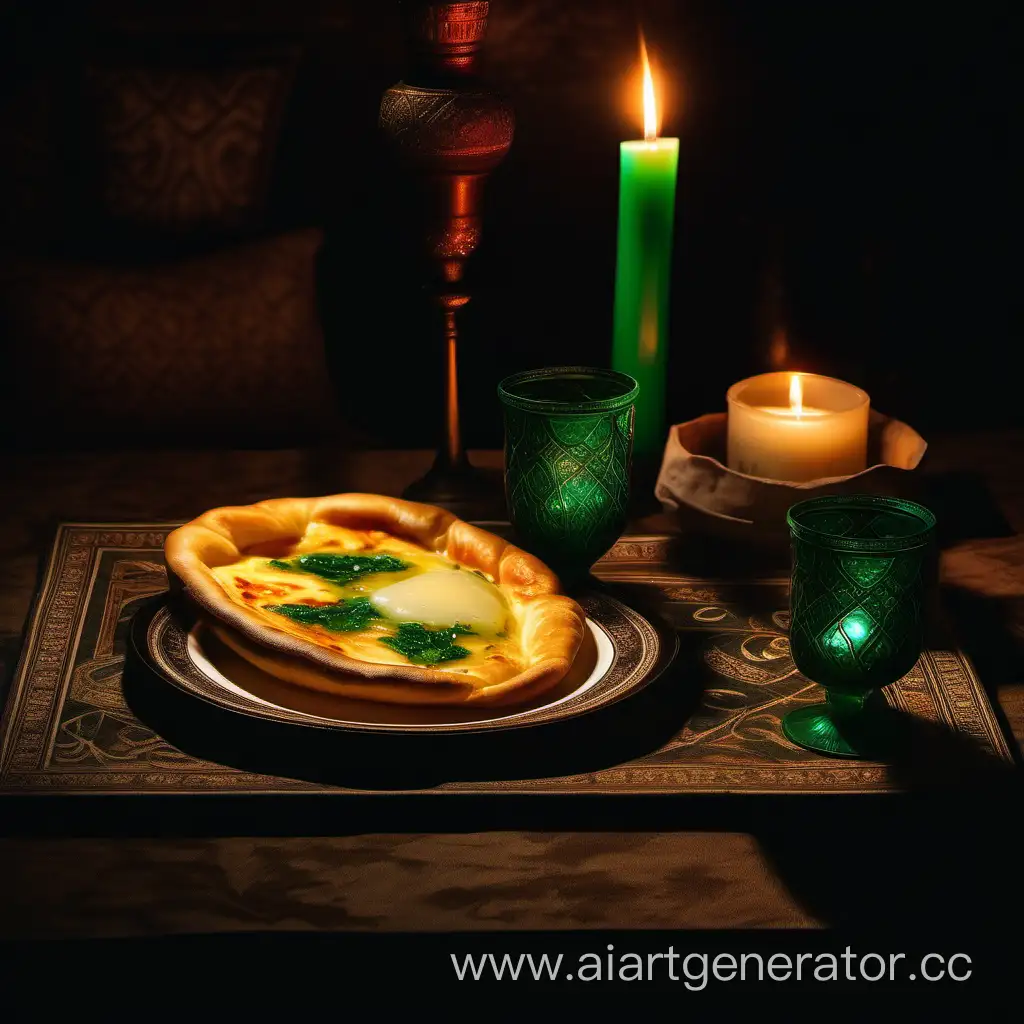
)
(551, 625)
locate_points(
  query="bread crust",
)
(550, 625)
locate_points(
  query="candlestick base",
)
(460, 487)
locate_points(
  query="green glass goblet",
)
(861, 566)
(568, 445)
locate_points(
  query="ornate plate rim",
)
(656, 651)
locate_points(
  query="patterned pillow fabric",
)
(187, 149)
(221, 349)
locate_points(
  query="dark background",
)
(844, 182)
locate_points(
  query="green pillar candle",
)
(647, 196)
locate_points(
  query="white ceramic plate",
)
(621, 653)
(241, 679)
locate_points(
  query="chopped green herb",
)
(424, 646)
(341, 568)
(343, 617)
(503, 636)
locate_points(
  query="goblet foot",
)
(843, 726)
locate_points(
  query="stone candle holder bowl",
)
(704, 496)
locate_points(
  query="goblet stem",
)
(846, 705)
(452, 481)
(453, 449)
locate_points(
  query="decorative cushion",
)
(187, 149)
(215, 349)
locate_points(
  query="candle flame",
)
(650, 106)
(796, 395)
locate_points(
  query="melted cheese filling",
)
(443, 597)
(432, 591)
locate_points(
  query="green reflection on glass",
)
(568, 446)
(860, 566)
(854, 628)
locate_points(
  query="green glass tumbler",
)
(568, 446)
(860, 571)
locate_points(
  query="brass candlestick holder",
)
(450, 132)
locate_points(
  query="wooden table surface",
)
(745, 871)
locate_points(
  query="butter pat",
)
(444, 598)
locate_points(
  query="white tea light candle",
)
(797, 427)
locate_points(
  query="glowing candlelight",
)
(796, 395)
(650, 105)
(797, 442)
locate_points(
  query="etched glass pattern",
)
(859, 579)
(568, 444)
